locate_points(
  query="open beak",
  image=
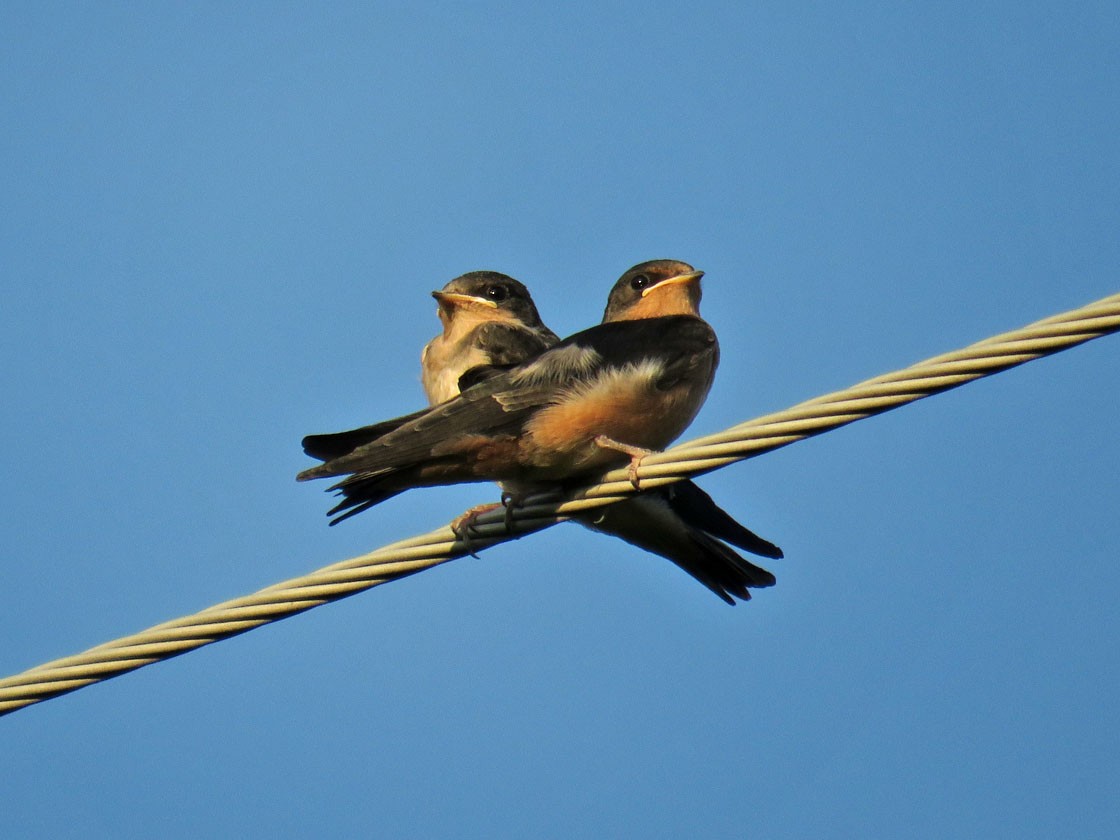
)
(691, 277)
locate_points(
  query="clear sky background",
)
(218, 231)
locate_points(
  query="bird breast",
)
(624, 404)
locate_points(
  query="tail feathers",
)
(354, 506)
(722, 570)
(698, 509)
(649, 522)
(335, 445)
(363, 491)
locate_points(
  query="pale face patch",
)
(448, 356)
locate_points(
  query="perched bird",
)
(624, 387)
(490, 323)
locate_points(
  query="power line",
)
(746, 440)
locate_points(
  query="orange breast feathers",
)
(623, 404)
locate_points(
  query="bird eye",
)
(639, 282)
(497, 293)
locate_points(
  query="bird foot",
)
(636, 453)
(464, 525)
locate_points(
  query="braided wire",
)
(400, 559)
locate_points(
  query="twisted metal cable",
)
(746, 440)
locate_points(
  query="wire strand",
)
(400, 559)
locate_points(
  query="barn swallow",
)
(613, 392)
(610, 393)
(489, 321)
(679, 522)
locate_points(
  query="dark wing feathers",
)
(507, 345)
(500, 404)
(681, 343)
(335, 445)
(510, 344)
(694, 349)
(480, 373)
(673, 339)
(475, 411)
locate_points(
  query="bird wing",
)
(500, 405)
(506, 346)
(511, 344)
(336, 444)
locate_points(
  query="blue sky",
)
(219, 228)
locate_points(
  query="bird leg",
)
(463, 525)
(511, 501)
(636, 453)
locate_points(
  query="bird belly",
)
(443, 362)
(625, 406)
